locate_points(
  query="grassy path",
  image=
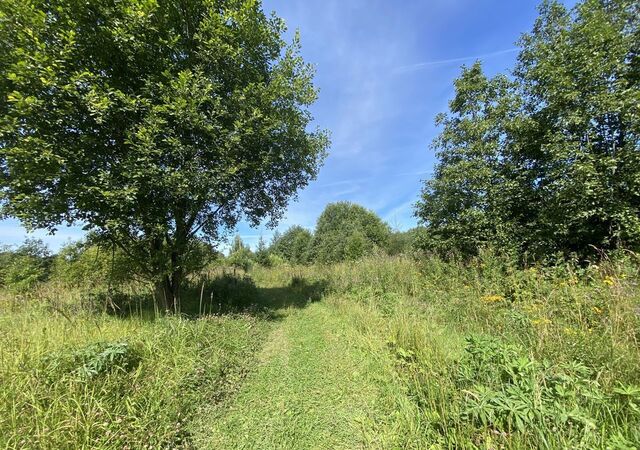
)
(312, 389)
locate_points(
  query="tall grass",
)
(493, 355)
(73, 377)
(480, 354)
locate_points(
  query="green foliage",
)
(91, 361)
(510, 391)
(294, 245)
(401, 242)
(262, 254)
(240, 255)
(84, 265)
(545, 161)
(151, 122)
(460, 205)
(25, 267)
(346, 231)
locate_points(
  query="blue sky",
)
(384, 70)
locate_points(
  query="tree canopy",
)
(294, 245)
(152, 122)
(545, 160)
(346, 231)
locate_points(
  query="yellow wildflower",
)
(541, 321)
(492, 298)
(609, 281)
(596, 310)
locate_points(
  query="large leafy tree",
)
(461, 204)
(579, 74)
(547, 160)
(151, 122)
(346, 231)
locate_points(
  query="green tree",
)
(346, 231)
(579, 73)
(240, 255)
(27, 266)
(294, 245)
(460, 205)
(262, 254)
(547, 160)
(152, 122)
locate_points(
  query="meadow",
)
(157, 128)
(384, 352)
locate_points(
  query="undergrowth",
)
(112, 383)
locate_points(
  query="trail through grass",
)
(311, 390)
(379, 354)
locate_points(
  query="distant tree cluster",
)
(344, 232)
(545, 161)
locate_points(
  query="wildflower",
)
(570, 331)
(608, 280)
(492, 298)
(596, 310)
(541, 321)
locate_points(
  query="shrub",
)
(508, 390)
(26, 267)
(91, 361)
(89, 265)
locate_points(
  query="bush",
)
(26, 267)
(240, 256)
(81, 264)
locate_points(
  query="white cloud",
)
(421, 65)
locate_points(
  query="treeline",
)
(84, 263)
(544, 161)
(344, 232)
(542, 164)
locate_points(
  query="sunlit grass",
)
(396, 354)
(178, 365)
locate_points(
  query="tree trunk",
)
(167, 292)
(168, 288)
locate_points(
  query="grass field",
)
(382, 353)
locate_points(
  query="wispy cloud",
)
(398, 215)
(440, 62)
